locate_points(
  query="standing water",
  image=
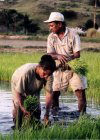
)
(5, 108)
(67, 112)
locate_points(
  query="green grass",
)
(10, 61)
(93, 61)
(92, 40)
(84, 128)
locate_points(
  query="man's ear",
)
(60, 24)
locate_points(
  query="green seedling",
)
(79, 66)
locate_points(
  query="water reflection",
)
(66, 114)
(5, 86)
(5, 111)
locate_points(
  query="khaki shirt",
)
(67, 46)
(26, 82)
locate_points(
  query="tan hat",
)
(55, 16)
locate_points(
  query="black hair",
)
(47, 63)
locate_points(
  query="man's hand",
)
(48, 106)
(25, 112)
(19, 101)
(62, 59)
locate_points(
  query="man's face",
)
(53, 27)
(44, 73)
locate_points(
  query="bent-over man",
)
(29, 79)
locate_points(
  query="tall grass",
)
(93, 61)
(84, 128)
(91, 39)
(10, 61)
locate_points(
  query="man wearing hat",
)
(63, 45)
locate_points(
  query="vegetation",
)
(93, 75)
(79, 66)
(38, 11)
(31, 103)
(84, 128)
(27, 17)
(10, 61)
(92, 40)
(15, 22)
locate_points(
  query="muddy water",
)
(67, 112)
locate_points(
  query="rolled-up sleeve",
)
(50, 47)
(77, 44)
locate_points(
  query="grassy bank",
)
(84, 128)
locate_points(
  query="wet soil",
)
(17, 45)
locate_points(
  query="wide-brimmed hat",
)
(55, 16)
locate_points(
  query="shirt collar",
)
(66, 31)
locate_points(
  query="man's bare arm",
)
(48, 106)
(19, 102)
(63, 59)
(48, 102)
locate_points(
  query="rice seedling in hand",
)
(79, 66)
(32, 105)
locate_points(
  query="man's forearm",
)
(48, 103)
(19, 103)
(18, 99)
(67, 58)
(54, 55)
(74, 56)
(62, 59)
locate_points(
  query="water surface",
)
(67, 113)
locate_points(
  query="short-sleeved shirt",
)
(26, 82)
(67, 46)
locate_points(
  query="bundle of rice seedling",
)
(31, 103)
(79, 66)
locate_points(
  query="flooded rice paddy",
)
(67, 112)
